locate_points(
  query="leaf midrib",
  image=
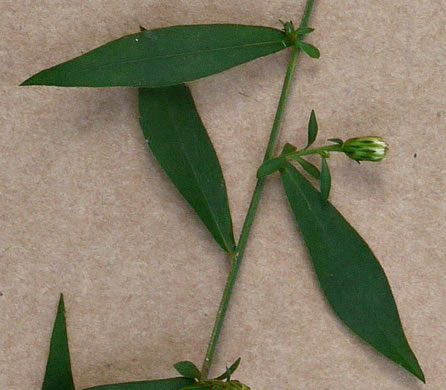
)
(320, 224)
(181, 54)
(198, 186)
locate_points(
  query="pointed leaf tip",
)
(229, 371)
(165, 56)
(325, 180)
(58, 375)
(160, 384)
(312, 129)
(336, 141)
(350, 276)
(179, 141)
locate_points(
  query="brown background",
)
(85, 210)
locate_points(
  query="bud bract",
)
(365, 148)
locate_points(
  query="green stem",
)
(306, 152)
(249, 219)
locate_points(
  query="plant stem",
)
(249, 219)
(306, 152)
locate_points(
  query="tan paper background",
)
(85, 210)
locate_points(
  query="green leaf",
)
(188, 369)
(199, 386)
(288, 148)
(180, 143)
(312, 51)
(304, 31)
(161, 384)
(325, 180)
(351, 277)
(336, 141)
(58, 374)
(312, 129)
(270, 166)
(229, 371)
(308, 167)
(164, 57)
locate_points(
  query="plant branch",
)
(249, 219)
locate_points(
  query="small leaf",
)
(229, 371)
(288, 148)
(270, 166)
(325, 180)
(351, 277)
(304, 31)
(309, 168)
(312, 129)
(165, 56)
(180, 143)
(337, 141)
(58, 374)
(161, 384)
(312, 51)
(188, 370)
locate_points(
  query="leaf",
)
(312, 51)
(165, 56)
(161, 384)
(350, 276)
(301, 31)
(58, 374)
(336, 141)
(188, 370)
(309, 168)
(312, 129)
(180, 143)
(288, 148)
(199, 386)
(229, 371)
(270, 166)
(325, 180)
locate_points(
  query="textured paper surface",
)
(85, 210)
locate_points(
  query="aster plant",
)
(158, 62)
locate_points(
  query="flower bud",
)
(235, 385)
(365, 148)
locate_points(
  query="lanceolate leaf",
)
(325, 180)
(188, 369)
(161, 384)
(165, 56)
(312, 129)
(312, 51)
(58, 370)
(336, 141)
(229, 371)
(180, 143)
(351, 277)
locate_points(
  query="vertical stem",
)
(249, 219)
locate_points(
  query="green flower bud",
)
(235, 385)
(365, 148)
